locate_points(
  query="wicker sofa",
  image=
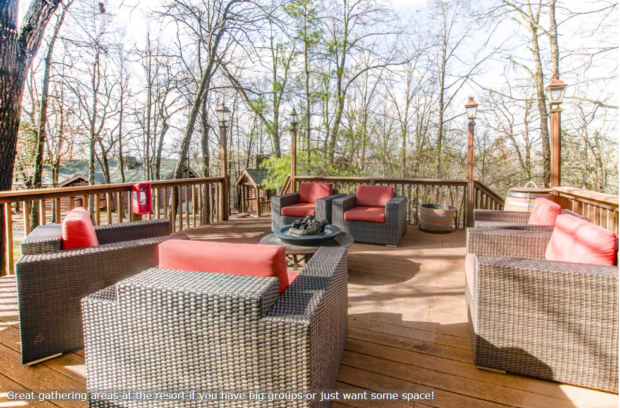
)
(51, 281)
(389, 232)
(322, 206)
(510, 219)
(178, 330)
(547, 319)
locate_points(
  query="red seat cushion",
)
(470, 272)
(235, 259)
(367, 214)
(298, 210)
(373, 196)
(579, 241)
(544, 212)
(78, 230)
(310, 192)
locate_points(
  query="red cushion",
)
(235, 259)
(298, 210)
(544, 212)
(367, 214)
(470, 269)
(373, 196)
(78, 230)
(579, 241)
(310, 192)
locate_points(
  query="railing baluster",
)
(156, 196)
(42, 216)
(119, 206)
(173, 208)
(108, 206)
(58, 210)
(97, 210)
(8, 226)
(26, 218)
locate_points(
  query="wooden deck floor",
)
(407, 329)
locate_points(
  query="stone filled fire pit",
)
(307, 231)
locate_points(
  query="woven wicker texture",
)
(50, 285)
(388, 233)
(180, 330)
(546, 319)
(511, 219)
(323, 209)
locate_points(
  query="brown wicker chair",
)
(546, 319)
(171, 330)
(51, 282)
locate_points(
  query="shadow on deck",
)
(407, 330)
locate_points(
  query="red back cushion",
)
(579, 241)
(235, 259)
(544, 212)
(373, 196)
(310, 192)
(78, 230)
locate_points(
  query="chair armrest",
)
(43, 239)
(514, 217)
(284, 200)
(506, 242)
(511, 226)
(129, 231)
(324, 206)
(396, 210)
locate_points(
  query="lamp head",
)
(294, 117)
(555, 90)
(223, 114)
(471, 107)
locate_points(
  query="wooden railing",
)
(187, 202)
(420, 191)
(601, 209)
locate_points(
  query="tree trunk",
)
(17, 50)
(553, 40)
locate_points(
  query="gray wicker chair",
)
(546, 319)
(178, 330)
(511, 220)
(51, 282)
(323, 209)
(389, 233)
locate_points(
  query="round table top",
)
(343, 240)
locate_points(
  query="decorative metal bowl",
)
(327, 235)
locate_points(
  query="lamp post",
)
(471, 107)
(294, 122)
(555, 94)
(223, 116)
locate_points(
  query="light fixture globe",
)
(472, 108)
(294, 117)
(555, 90)
(223, 114)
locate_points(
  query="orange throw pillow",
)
(544, 212)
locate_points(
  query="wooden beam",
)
(224, 173)
(293, 157)
(471, 189)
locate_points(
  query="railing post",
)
(293, 155)
(556, 146)
(470, 173)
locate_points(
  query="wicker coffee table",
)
(305, 252)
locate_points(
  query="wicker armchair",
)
(178, 330)
(389, 233)
(546, 319)
(511, 220)
(51, 282)
(323, 208)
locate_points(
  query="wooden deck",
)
(407, 329)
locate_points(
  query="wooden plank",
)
(8, 228)
(119, 206)
(26, 214)
(42, 215)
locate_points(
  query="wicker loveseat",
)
(548, 319)
(541, 218)
(373, 215)
(311, 199)
(178, 330)
(52, 281)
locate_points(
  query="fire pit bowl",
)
(330, 232)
